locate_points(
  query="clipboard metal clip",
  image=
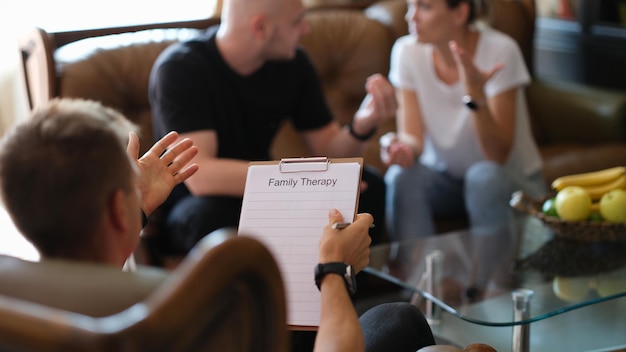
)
(312, 164)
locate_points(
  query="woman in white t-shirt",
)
(464, 142)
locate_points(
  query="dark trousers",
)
(397, 327)
(192, 218)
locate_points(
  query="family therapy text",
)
(303, 181)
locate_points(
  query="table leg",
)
(521, 311)
(432, 273)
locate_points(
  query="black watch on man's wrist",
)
(361, 137)
(342, 269)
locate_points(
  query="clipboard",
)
(285, 206)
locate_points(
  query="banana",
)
(590, 179)
(598, 190)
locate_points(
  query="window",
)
(62, 15)
(562, 9)
(68, 15)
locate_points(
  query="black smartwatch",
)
(342, 269)
(361, 137)
(471, 103)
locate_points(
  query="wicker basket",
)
(585, 230)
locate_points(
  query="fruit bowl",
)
(584, 230)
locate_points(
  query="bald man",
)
(229, 90)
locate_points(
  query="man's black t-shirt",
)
(192, 88)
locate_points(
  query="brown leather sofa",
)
(578, 128)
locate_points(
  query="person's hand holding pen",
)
(339, 328)
(350, 245)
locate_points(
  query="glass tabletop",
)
(468, 275)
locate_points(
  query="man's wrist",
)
(329, 279)
(338, 269)
(361, 136)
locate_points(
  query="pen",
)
(343, 225)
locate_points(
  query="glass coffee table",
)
(543, 278)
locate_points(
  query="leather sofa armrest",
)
(572, 112)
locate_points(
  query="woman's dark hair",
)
(478, 8)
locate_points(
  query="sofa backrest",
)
(346, 47)
(345, 44)
(513, 17)
(114, 69)
(111, 65)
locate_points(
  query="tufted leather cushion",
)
(115, 70)
(391, 14)
(346, 47)
(345, 61)
(505, 16)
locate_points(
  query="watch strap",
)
(342, 269)
(472, 103)
(361, 137)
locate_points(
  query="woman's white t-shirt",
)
(450, 142)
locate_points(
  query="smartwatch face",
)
(350, 280)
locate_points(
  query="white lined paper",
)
(287, 212)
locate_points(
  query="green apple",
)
(573, 203)
(549, 207)
(595, 216)
(613, 205)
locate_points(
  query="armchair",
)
(59, 305)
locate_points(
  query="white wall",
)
(11, 92)
(63, 15)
